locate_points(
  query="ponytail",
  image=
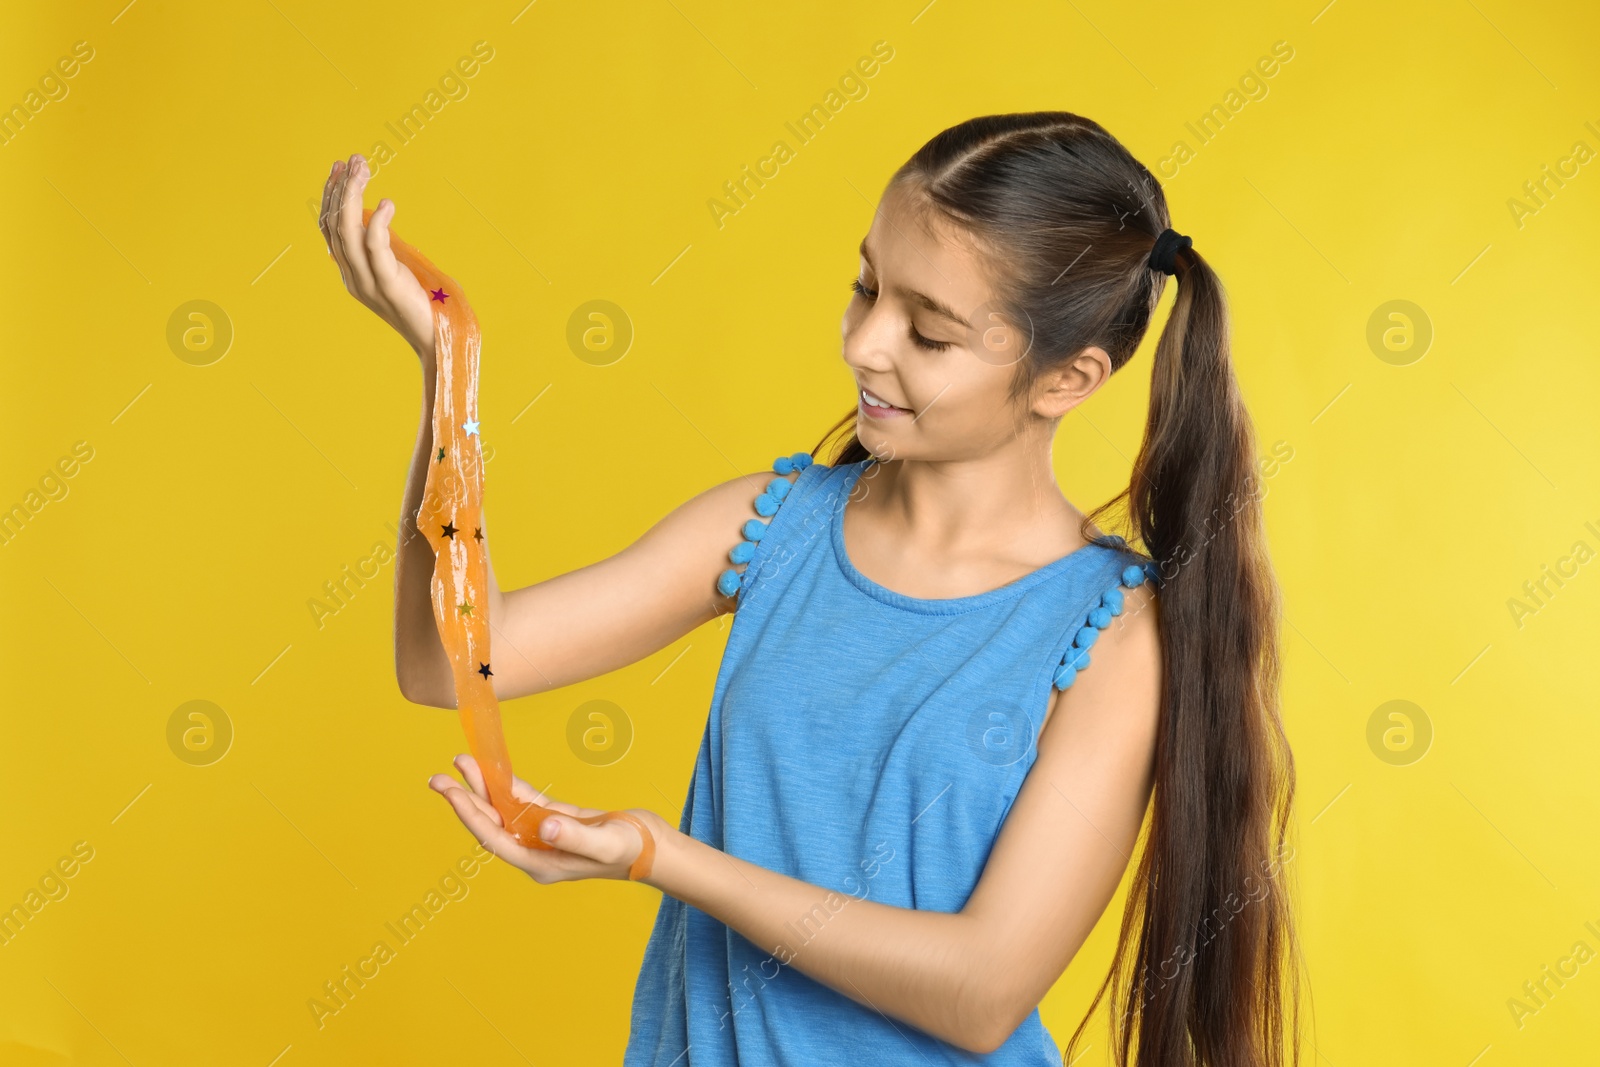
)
(1207, 934)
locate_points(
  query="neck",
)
(1008, 497)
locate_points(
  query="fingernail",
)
(550, 829)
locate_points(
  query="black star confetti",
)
(483, 669)
(450, 531)
(477, 533)
(441, 455)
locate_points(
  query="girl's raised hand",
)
(579, 850)
(366, 264)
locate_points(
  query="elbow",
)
(418, 692)
(985, 1039)
(987, 1013)
(408, 691)
(403, 678)
(409, 694)
(418, 684)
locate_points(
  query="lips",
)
(878, 408)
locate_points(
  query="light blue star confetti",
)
(471, 426)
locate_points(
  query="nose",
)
(866, 341)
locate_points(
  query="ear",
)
(1071, 382)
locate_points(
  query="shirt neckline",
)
(943, 605)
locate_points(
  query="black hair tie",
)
(1164, 256)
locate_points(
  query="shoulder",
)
(737, 512)
(723, 508)
(1113, 669)
(1130, 639)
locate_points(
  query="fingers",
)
(543, 866)
(327, 218)
(473, 774)
(479, 794)
(399, 291)
(336, 201)
(379, 255)
(611, 843)
(520, 789)
(473, 817)
(327, 198)
(348, 228)
(529, 795)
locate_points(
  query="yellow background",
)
(178, 567)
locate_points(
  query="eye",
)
(860, 289)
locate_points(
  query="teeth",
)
(875, 401)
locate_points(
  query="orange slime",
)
(451, 518)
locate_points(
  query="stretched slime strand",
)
(451, 519)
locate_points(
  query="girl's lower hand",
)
(367, 265)
(579, 850)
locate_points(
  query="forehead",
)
(914, 246)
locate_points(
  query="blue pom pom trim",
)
(730, 581)
(1098, 618)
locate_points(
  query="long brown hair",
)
(1205, 970)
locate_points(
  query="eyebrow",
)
(922, 299)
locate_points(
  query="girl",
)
(947, 695)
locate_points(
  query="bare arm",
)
(569, 628)
(589, 621)
(577, 625)
(970, 978)
(419, 654)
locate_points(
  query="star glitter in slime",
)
(451, 518)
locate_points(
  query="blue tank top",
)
(866, 742)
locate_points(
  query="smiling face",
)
(922, 335)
